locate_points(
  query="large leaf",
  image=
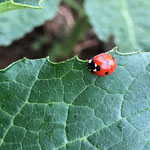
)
(7, 5)
(127, 20)
(15, 24)
(64, 107)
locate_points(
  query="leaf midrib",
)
(130, 24)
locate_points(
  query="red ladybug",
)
(102, 64)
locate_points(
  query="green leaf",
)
(49, 106)
(127, 20)
(7, 5)
(15, 24)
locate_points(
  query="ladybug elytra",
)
(102, 64)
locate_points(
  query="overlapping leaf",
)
(15, 24)
(128, 21)
(64, 107)
(7, 5)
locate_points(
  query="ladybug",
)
(102, 64)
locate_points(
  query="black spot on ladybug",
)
(107, 63)
(106, 73)
(101, 56)
(98, 68)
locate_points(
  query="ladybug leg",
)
(89, 65)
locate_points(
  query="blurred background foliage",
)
(64, 28)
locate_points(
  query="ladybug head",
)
(92, 66)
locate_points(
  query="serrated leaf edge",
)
(114, 50)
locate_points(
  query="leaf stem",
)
(76, 6)
(62, 50)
